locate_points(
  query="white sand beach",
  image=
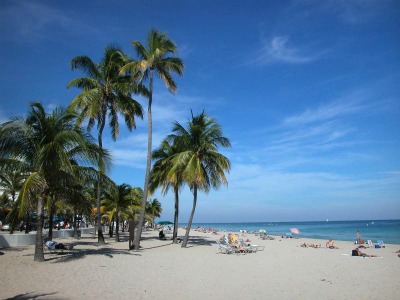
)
(162, 270)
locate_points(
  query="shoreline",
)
(162, 270)
(386, 230)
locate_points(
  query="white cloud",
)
(278, 50)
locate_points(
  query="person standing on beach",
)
(360, 240)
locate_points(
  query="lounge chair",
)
(258, 247)
(247, 247)
(381, 244)
(224, 248)
(370, 244)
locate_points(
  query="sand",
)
(162, 270)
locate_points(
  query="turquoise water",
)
(386, 230)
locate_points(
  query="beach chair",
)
(247, 247)
(258, 247)
(224, 248)
(370, 244)
(381, 244)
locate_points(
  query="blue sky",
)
(305, 90)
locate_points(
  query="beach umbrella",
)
(165, 223)
(262, 230)
(295, 230)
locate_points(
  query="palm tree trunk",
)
(131, 234)
(51, 218)
(111, 228)
(117, 226)
(26, 223)
(39, 254)
(75, 227)
(185, 239)
(100, 237)
(148, 165)
(175, 233)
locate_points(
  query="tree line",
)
(57, 160)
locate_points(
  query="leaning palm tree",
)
(164, 176)
(48, 146)
(105, 90)
(202, 166)
(153, 59)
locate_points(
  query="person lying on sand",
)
(329, 244)
(52, 245)
(357, 252)
(304, 245)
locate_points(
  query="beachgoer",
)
(161, 235)
(360, 240)
(233, 238)
(329, 244)
(54, 245)
(357, 252)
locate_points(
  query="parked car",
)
(5, 227)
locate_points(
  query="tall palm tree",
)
(105, 90)
(203, 167)
(153, 59)
(48, 146)
(164, 176)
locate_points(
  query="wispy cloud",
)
(328, 135)
(31, 21)
(326, 112)
(278, 49)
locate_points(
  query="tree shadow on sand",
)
(73, 255)
(33, 295)
(195, 241)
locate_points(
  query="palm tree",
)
(153, 59)
(153, 209)
(202, 166)
(162, 175)
(132, 213)
(105, 90)
(117, 198)
(11, 182)
(48, 146)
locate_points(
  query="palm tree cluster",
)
(50, 164)
(52, 153)
(190, 156)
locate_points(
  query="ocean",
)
(386, 230)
